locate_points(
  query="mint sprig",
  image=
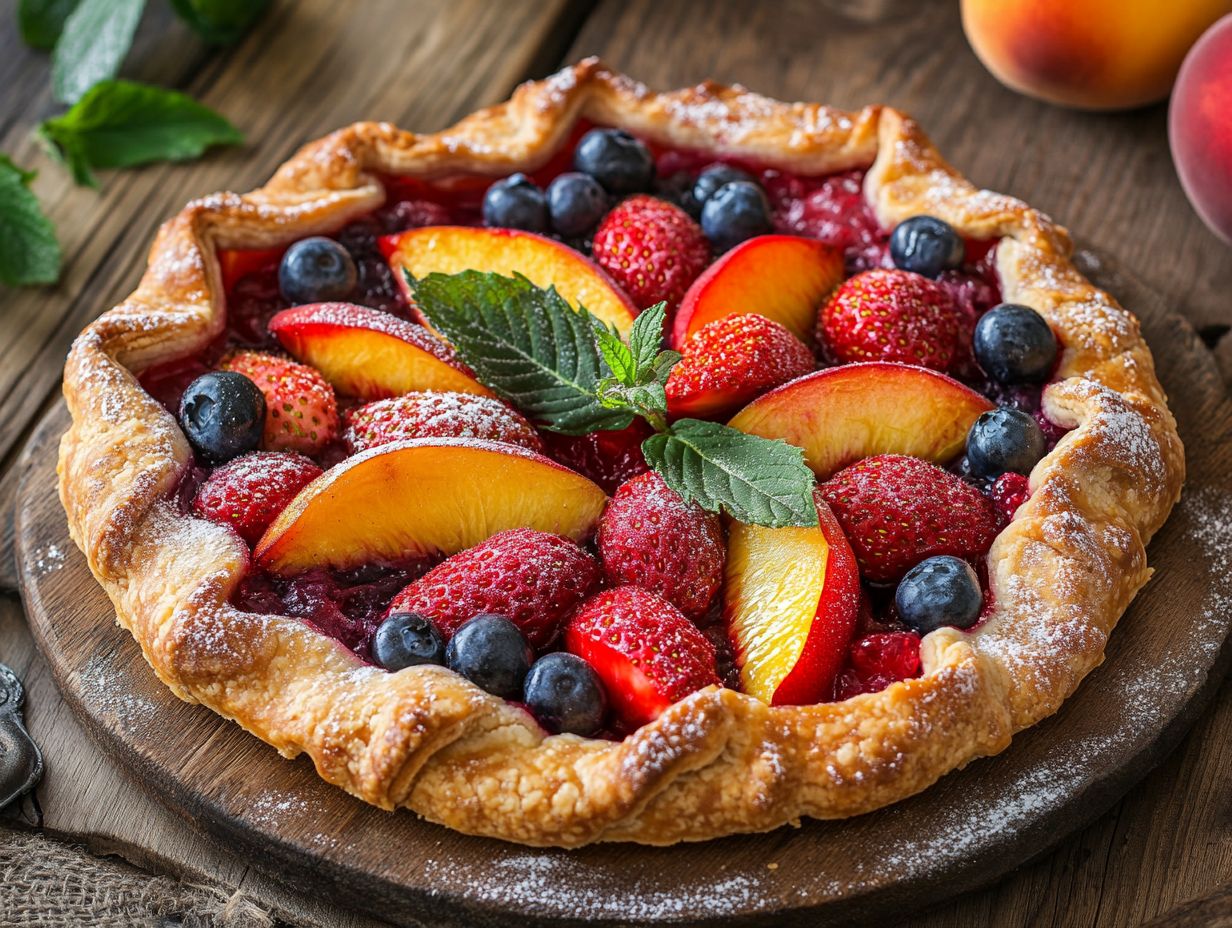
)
(572, 374)
(524, 342)
(122, 123)
(29, 253)
(92, 45)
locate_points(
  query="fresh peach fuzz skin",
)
(1087, 54)
(1200, 127)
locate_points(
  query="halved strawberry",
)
(732, 361)
(301, 410)
(647, 654)
(249, 492)
(535, 579)
(892, 315)
(438, 415)
(652, 249)
(898, 510)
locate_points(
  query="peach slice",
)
(453, 249)
(843, 414)
(783, 277)
(422, 497)
(370, 354)
(790, 602)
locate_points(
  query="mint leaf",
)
(122, 123)
(524, 342)
(220, 22)
(646, 335)
(29, 252)
(96, 37)
(755, 480)
(616, 353)
(42, 21)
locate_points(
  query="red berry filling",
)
(654, 250)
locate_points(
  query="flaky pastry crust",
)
(717, 762)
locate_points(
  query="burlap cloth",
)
(51, 884)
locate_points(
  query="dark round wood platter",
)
(1164, 662)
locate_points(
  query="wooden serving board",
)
(1164, 662)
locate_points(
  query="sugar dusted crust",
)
(718, 762)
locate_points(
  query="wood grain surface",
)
(311, 66)
(960, 833)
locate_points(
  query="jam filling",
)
(349, 605)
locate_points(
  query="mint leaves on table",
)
(42, 21)
(29, 253)
(96, 37)
(122, 123)
(525, 343)
(572, 374)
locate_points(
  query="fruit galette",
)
(618, 465)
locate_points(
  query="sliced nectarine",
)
(783, 277)
(370, 354)
(790, 602)
(425, 496)
(453, 249)
(842, 414)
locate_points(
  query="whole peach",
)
(1200, 127)
(1089, 54)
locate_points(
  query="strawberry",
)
(898, 510)
(533, 578)
(892, 315)
(301, 411)
(652, 249)
(438, 415)
(249, 492)
(731, 361)
(646, 653)
(609, 458)
(650, 536)
(1009, 491)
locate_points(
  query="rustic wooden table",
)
(312, 65)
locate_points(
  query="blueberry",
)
(937, 592)
(564, 693)
(490, 652)
(406, 639)
(223, 415)
(316, 270)
(1005, 439)
(1014, 344)
(715, 176)
(576, 203)
(618, 161)
(926, 245)
(734, 213)
(516, 203)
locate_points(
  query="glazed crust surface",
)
(1061, 574)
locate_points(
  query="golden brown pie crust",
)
(718, 762)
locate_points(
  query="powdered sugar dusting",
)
(102, 688)
(559, 883)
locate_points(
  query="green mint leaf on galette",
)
(526, 343)
(753, 479)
